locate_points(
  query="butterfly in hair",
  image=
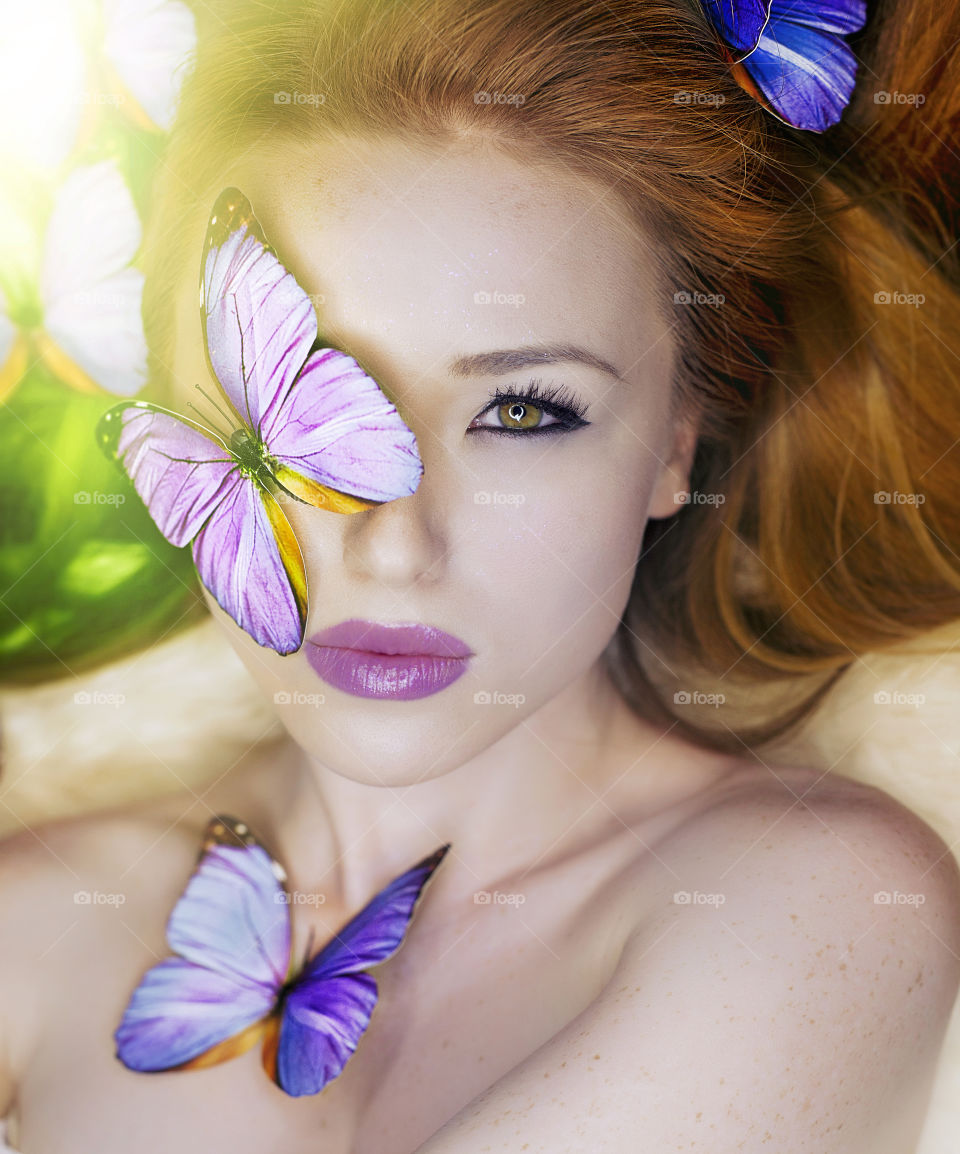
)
(790, 54)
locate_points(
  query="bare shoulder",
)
(76, 889)
(770, 821)
(105, 859)
(814, 928)
(800, 852)
(69, 855)
(789, 989)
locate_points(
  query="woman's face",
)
(523, 545)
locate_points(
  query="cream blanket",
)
(179, 715)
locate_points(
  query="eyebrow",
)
(503, 361)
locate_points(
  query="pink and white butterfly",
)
(305, 422)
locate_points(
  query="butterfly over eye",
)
(537, 409)
(303, 422)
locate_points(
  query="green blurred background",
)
(85, 576)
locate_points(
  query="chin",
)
(378, 751)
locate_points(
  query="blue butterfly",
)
(795, 62)
(236, 981)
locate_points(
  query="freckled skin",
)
(681, 1025)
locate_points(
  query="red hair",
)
(816, 395)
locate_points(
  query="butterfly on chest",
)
(236, 982)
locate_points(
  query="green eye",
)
(524, 412)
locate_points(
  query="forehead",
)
(434, 251)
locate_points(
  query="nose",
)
(400, 543)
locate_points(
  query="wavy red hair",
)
(814, 394)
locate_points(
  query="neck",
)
(523, 801)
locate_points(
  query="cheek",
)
(553, 570)
(587, 511)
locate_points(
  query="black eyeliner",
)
(558, 401)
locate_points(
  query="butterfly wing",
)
(91, 294)
(377, 930)
(179, 471)
(320, 1026)
(801, 65)
(256, 320)
(235, 917)
(183, 1016)
(244, 548)
(259, 328)
(338, 431)
(231, 928)
(147, 42)
(329, 1004)
(249, 559)
(739, 22)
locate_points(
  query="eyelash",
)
(556, 401)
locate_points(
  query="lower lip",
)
(400, 677)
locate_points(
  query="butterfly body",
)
(252, 456)
(234, 981)
(255, 461)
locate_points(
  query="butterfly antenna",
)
(216, 404)
(222, 435)
(230, 418)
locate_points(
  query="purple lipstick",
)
(401, 661)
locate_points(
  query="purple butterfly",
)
(796, 63)
(304, 422)
(235, 980)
